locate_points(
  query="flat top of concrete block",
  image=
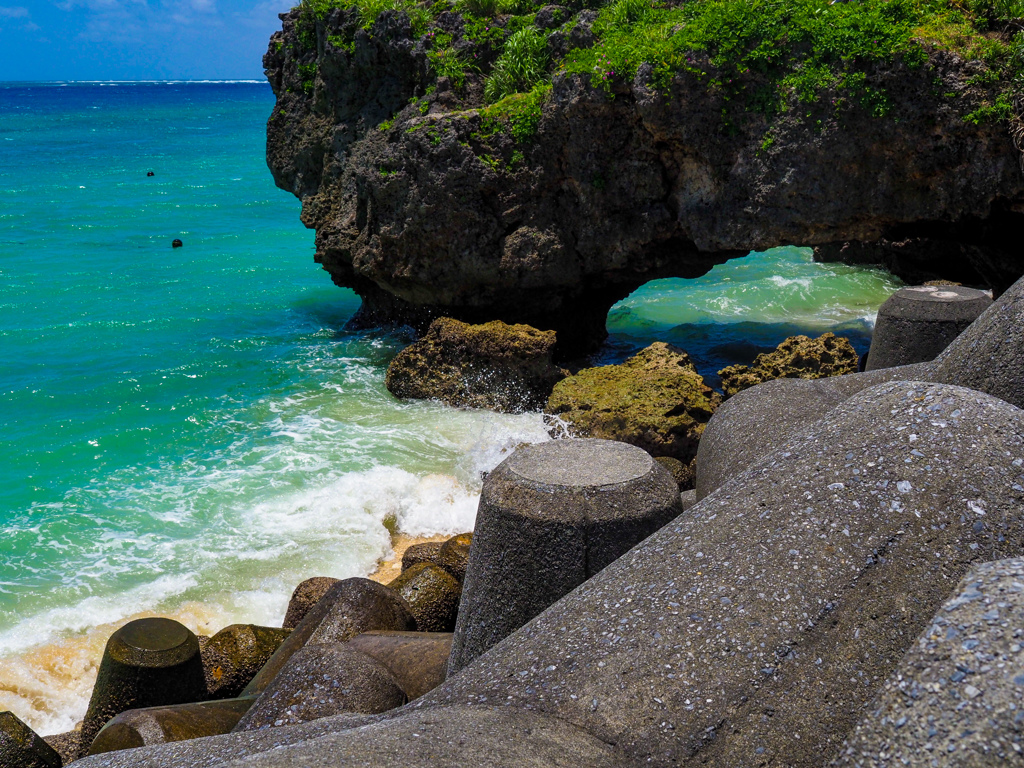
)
(583, 463)
(154, 634)
(940, 293)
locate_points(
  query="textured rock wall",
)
(422, 216)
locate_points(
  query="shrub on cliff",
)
(798, 357)
(521, 65)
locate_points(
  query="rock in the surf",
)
(454, 555)
(655, 400)
(432, 595)
(322, 680)
(304, 597)
(233, 656)
(798, 357)
(494, 365)
(425, 552)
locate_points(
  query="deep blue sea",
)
(191, 432)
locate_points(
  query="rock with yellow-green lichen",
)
(494, 365)
(798, 357)
(655, 400)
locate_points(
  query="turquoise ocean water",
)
(192, 431)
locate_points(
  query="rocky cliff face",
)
(425, 203)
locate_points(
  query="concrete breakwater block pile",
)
(846, 588)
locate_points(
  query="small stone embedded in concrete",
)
(322, 680)
(432, 595)
(21, 747)
(960, 687)
(146, 663)
(304, 597)
(160, 725)
(916, 323)
(550, 517)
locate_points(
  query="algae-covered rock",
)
(425, 552)
(798, 357)
(432, 594)
(233, 656)
(683, 474)
(494, 365)
(454, 555)
(304, 597)
(655, 400)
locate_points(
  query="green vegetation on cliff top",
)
(759, 55)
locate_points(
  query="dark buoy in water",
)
(150, 174)
(176, 244)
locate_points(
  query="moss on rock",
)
(798, 357)
(655, 400)
(495, 365)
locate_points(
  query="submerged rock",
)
(798, 357)
(494, 365)
(655, 400)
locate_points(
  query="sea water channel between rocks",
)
(191, 432)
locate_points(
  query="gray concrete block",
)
(550, 517)
(755, 422)
(989, 355)
(146, 663)
(918, 322)
(217, 750)
(432, 595)
(323, 680)
(450, 737)
(160, 725)
(348, 608)
(754, 629)
(418, 660)
(234, 656)
(305, 596)
(957, 698)
(21, 747)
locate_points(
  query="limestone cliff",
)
(550, 206)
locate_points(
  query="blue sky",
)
(135, 39)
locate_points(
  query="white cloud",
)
(16, 12)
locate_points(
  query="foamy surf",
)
(244, 568)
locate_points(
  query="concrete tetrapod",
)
(918, 322)
(21, 747)
(321, 680)
(550, 517)
(957, 698)
(418, 660)
(988, 356)
(349, 607)
(750, 631)
(754, 628)
(160, 725)
(146, 663)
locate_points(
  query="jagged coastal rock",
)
(549, 206)
(798, 357)
(655, 400)
(494, 365)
